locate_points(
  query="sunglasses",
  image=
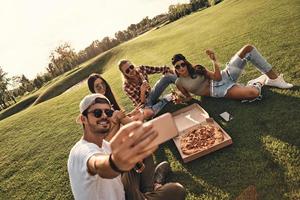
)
(180, 65)
(98, 112)
(131, 67)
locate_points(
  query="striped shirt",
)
(133, 90)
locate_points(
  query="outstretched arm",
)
(216, 74)
(156, 70)
(128, 146)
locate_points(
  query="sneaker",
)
(161, 172)
(168, 97)
(262, 79)
(278, 82)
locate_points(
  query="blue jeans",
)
(234, 69)
(152, 100)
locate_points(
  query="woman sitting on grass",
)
(98, 84)
(223, 83)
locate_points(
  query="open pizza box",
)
(189, 118)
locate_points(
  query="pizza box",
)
(190, 117)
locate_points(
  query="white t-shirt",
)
(85, 186)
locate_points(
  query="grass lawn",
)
(35, 142)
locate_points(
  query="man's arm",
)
(156, 70)
(128, 146)
(132, 95)
(144, 88)
(99, 164)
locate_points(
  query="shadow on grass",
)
(18, 106)
(250, 160)
(74, 77)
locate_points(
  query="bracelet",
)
(113, 165)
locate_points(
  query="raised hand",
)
(129, 145)
(211, 54)
(145, 86)
(117, 116)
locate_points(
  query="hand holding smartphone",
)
(165, 127)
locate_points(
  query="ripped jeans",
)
(234, 69)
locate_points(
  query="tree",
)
(62, 59)
(25, 83)
(132, 29)
(196, 4)
(38, 82)
(120, 36)
(5, 95)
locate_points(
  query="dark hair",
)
(120, 64)
(192, 70)
(108, 93)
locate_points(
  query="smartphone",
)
(166, 128)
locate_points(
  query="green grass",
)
(58, 85)
(75, 76)
(35, 142)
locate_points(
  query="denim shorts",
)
(219, 88)
(234, 69)
(229, 75)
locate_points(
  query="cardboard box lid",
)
(189, 117)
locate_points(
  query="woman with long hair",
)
(223, 83)
(97, 84)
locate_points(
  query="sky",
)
(31, 29)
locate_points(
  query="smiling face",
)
(181, 68)
(99, 86)
(95, 123)
(128, 70)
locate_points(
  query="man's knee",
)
(169, 78)
(176, 190)
(148, 113)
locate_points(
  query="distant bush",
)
(214, 2)
(179, 10)
(18, 106)
(73, 78)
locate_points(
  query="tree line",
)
(64, 58)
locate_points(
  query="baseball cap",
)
(89, 100)
(177, 57)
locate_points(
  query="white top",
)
(85, 186)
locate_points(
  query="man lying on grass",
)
(136, 86)
(104, 170)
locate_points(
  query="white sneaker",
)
(168, 97)
(262, 79)
(278, 82)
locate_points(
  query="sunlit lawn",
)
(35, 143)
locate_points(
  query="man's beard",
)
(102, 127)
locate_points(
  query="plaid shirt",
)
(133, 90)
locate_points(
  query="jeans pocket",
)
(218, 83)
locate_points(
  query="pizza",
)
(200, 138)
